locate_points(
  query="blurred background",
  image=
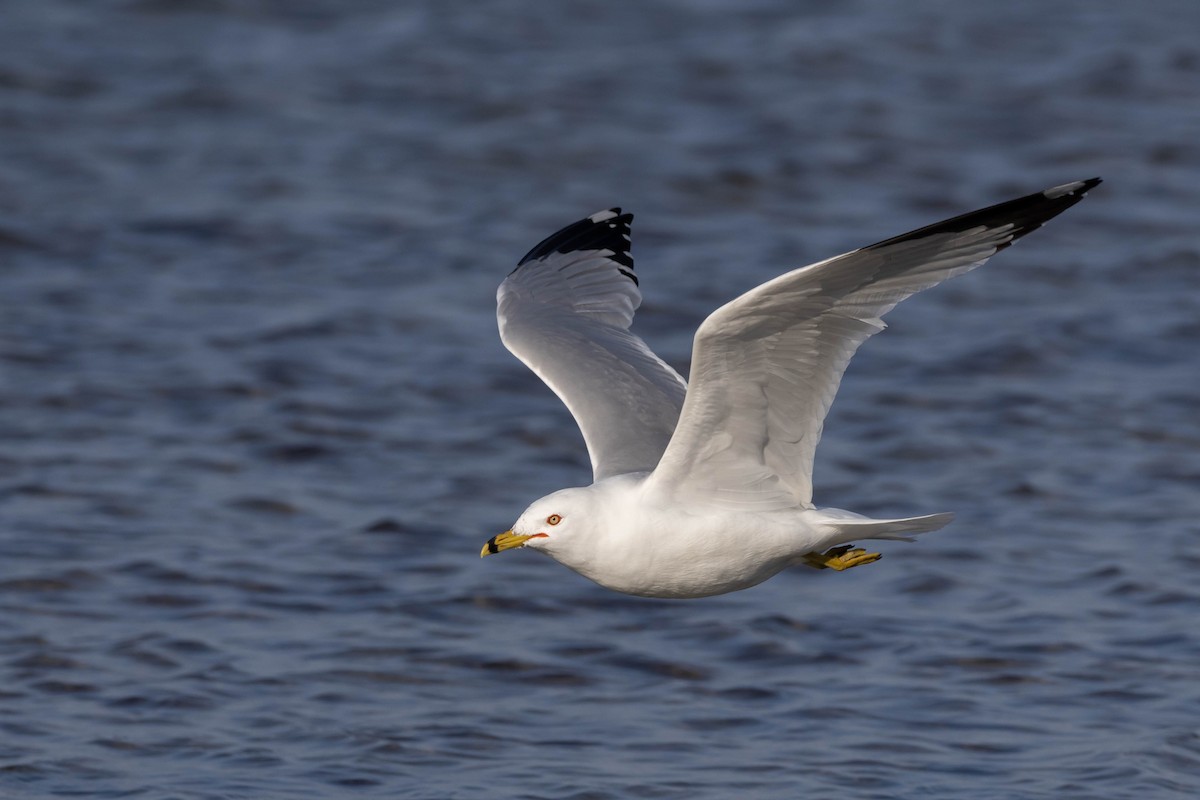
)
(256, 422)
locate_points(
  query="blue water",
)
(256, 423)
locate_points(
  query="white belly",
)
(696, 556)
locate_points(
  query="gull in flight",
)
(705, 487)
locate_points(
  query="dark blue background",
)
(256, 423)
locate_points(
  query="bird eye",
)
(554, 519)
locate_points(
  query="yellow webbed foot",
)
(840, 558)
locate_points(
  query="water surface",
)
(255, 420)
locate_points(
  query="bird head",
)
(548, 524)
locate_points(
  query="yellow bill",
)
(505, 541)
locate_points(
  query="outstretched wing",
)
(565, 311)
(765, 367)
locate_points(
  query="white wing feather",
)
(766, 366)
(565, 312)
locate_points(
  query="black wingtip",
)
(1025, 214)
(604, 230)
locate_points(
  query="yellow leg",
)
(840, 558)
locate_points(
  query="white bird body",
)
(706, 488)
(628, 542)
(618, 534)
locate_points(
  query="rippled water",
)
(255, 421)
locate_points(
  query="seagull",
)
(705, 487)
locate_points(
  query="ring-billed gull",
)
(705, 487)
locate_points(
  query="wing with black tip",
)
(565, 312)
(766, 366)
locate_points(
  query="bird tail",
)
(849, 529)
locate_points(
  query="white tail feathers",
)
(863, 528)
